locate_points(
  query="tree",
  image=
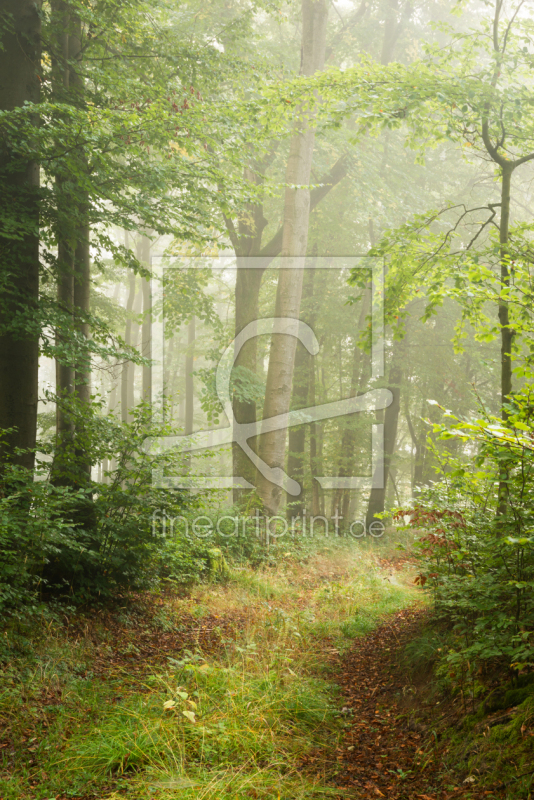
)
(294, 244)
(20, 55)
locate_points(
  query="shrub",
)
(476, 557)
(89, 539)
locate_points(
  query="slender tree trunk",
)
(393, 24)
(294, 243)
(82, 297)
(73, 375)
(391, 419)
(189, 404)
(316, 448)
(347, 451)
(182, 344)
(420, 450)
(136, 342)
(82, 258)
(392, 493)
(247, 290)
(169, 379)
(507, 333)
(299, 399)
(146, 330)
(128, 367)
(19, 258)
(189, 381)
(65, 370)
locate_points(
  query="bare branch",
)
(356, 17)
(509, 26)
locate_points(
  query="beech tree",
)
(294, 244)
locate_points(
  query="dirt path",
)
(389, 748)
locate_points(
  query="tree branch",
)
(232, 233)
(328, 181)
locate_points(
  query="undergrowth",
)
(485, 723)
(215, 723)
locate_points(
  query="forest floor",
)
(287, 683)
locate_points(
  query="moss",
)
(218, 567)
(503, 698)
(501, 755)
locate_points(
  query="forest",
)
(266, 399)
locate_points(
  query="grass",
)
(231, 722)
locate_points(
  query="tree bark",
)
(247, 244)
(146, 329)
(82, 258)
(299, 399)
(316, 449)
(247, 290)
(73, 374)
(20, 55)
(419, 442)
(507, 334)
(393, 25)
(294, 243)
(65, 369)
(391, 420)
(246, 241)
(189, 381)
(128, 367)
(347, 451)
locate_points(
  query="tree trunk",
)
(65, 371)
(189, 381)
(73, 376)
(393, 25)
(294, 243)
(299, 399)
(247, 290)
(128, 367)
(347, 451)
(316, 448)
(19, 258)
(189, 404)
(136, 342)
(82, 258)
(391, 419)
(507, 334)
(247, 244)
(419, 442)
(146, 330)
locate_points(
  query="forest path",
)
(96, 708)
(390, 747)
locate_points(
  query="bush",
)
(87, 539)
(476, 553)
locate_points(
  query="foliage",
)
(479, 567)
(91, 540)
